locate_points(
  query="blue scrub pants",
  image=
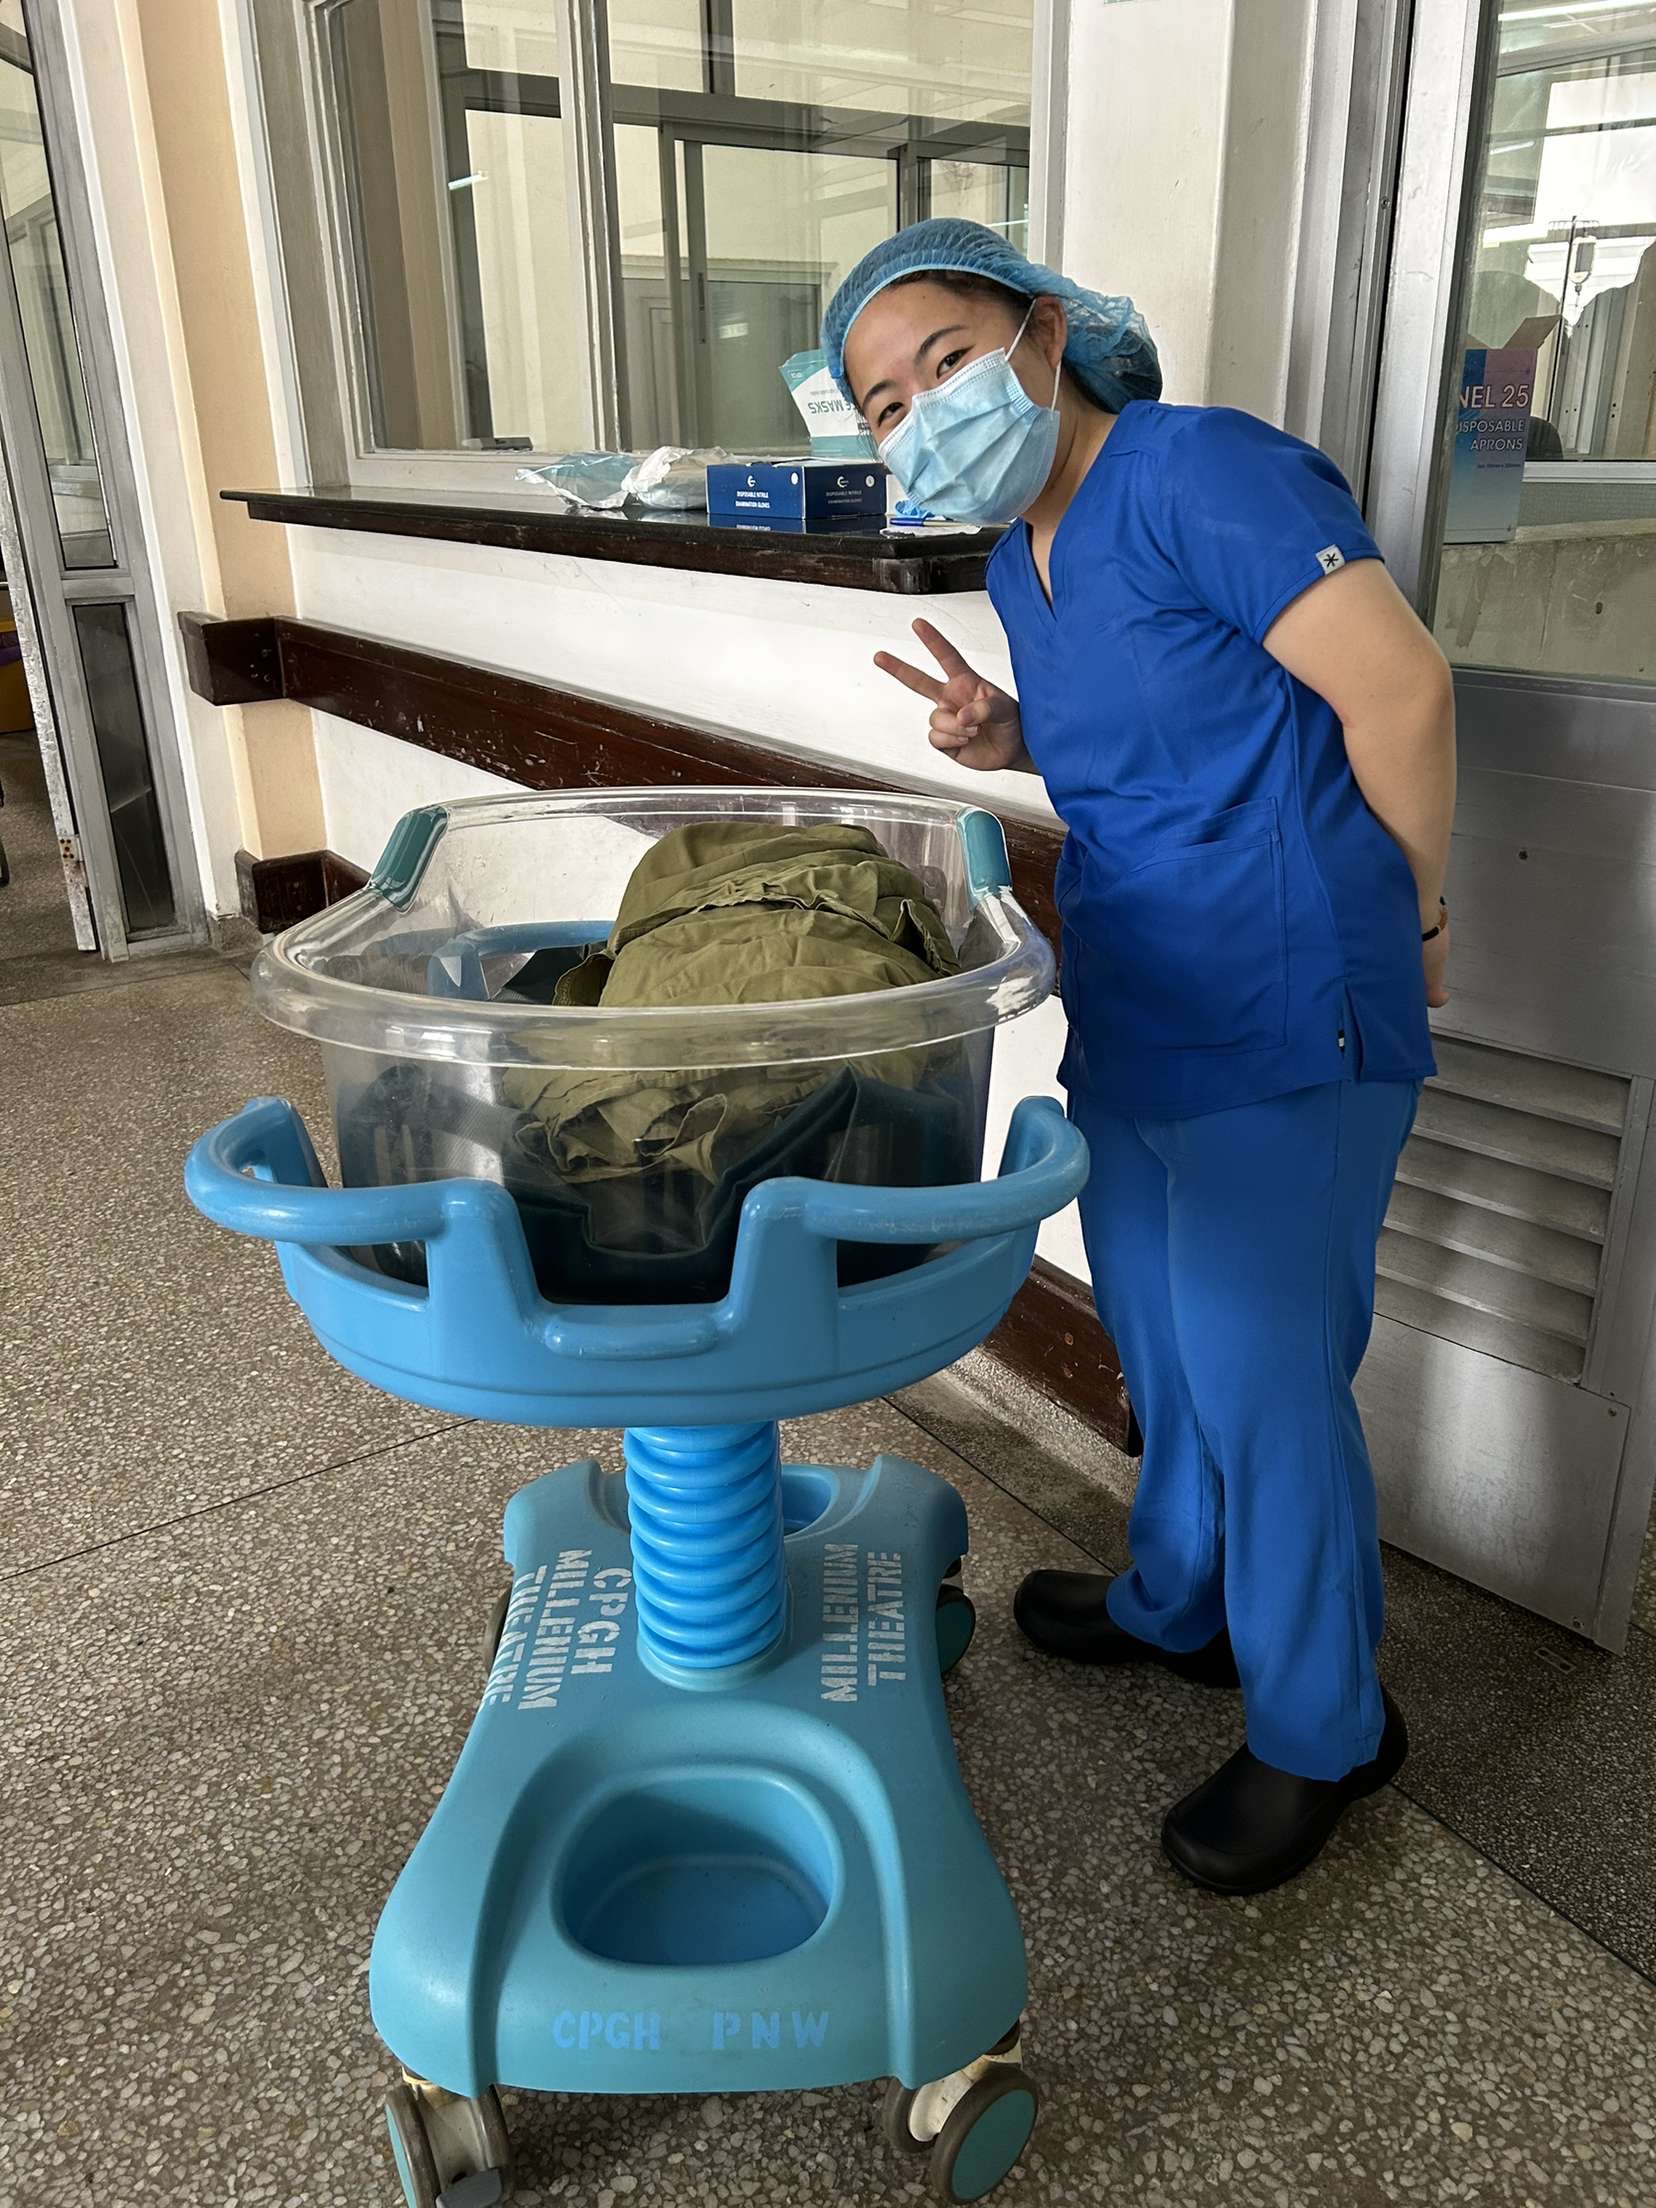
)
(1233, 1262)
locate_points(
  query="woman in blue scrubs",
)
(1250, 738)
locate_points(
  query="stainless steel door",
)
(1509, 1390)
(70, 533)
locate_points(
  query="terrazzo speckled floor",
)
(149, 1364)
(34, 912)
(38, 957)
(229, 1704)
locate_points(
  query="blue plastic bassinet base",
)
(642, 1882)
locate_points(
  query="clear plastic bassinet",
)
(429, 992)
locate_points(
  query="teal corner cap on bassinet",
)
(987, 866)
(707, 1832)
(403, 861)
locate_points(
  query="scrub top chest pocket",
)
(1188, 949)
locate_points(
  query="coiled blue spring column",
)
(709, 1575)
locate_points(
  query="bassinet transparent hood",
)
(631, 1136)
(412, 967)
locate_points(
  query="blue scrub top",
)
(1237, 923)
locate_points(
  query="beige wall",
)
(175, 53)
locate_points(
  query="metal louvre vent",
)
(1496, 1230)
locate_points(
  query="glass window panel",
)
(452, 133)
(398, 103)
(1549, 560)
(650, 321)
(503, 34)
(43, 300)
(782, 229)
(944, 63)
(638, 191)
(657, 42)
(126, 765)
(454, 183)
(978, 191)
(524, 343)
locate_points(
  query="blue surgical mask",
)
(977, 448)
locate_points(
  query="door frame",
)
(1355, 100)
(59, 797)
(1450, 81)
(1539, 754)
(29, 533)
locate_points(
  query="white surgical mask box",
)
(836, 429)
(796, 491)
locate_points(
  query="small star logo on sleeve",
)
(1331, 559)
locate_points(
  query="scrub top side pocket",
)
(1190, 950)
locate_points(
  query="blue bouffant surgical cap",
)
(1109, 350)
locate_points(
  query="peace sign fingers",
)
(942, 651)
(959, 680)
(912, 678)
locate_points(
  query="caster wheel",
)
(494, 1627)
(956, 1623)
(897, 2118)
(983, 2135)
(450, 2152)
(410, 2148)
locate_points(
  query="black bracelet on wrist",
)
(1431, 935)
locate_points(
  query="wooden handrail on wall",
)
(548, 738)
(527, 731)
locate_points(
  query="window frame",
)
(305, 153)
(1454, 68)
(1449, 84)
(1632, 470)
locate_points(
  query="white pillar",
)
(1183, 179)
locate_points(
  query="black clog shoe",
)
(1251, 1827)
(1065, 1614)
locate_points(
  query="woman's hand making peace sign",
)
(971, 720)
